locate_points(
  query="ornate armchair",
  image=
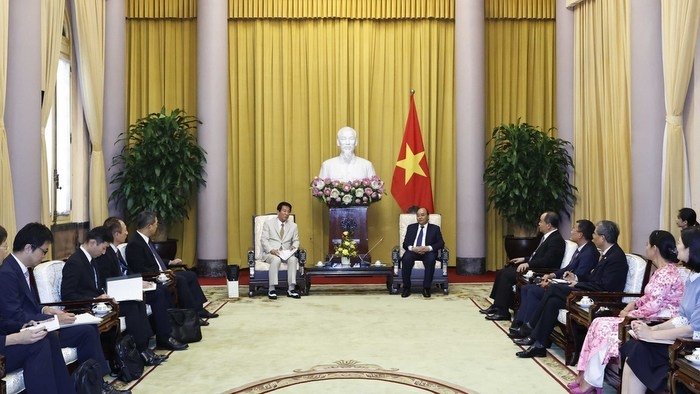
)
(152, 276)
(259, 269)
(439, 277)
(575, 320)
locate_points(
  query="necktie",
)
(94, 272)
(419, 239)
(160, 261)
(282, 231)
(537, 248)
(575, 256)
(122, 263)
(26, 277)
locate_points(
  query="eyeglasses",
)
(43, 251)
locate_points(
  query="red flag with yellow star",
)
(410, 184)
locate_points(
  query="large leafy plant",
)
(160, 166)
(526, 174)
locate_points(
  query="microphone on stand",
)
(362, 256)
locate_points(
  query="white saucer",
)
(101, 314)
(319, 265)
(584, 305)
(378, 265)
(692, 359)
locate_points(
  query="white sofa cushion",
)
(48, 277)
(635, 275)
(14, 381)
(571, 247)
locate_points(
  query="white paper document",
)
(83, 318)
(48, 325)
(125, 288)
(285, 254)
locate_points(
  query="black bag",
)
(88, 378)
(128, 360)
(185, 325)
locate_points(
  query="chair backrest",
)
(258, 221)
(48, 277)
(635, 275)
(406, 219)
(571, 247)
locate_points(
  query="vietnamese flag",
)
(410, 184)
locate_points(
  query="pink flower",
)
(374, 195)
(369, 191)
(364, 199)
(357, 201)
(365, 182)
(346, 188)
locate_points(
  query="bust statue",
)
(346, 166)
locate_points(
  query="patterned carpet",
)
(465, 353)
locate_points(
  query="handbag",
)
(88, 378)
(128, 360)
(185, 325)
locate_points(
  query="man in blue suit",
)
(19, 303)
(422, 242)
(581, 264)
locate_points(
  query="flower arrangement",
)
(358, 192)
(347, 246)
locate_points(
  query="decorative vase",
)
(345, 261)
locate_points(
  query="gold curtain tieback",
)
(674, 120)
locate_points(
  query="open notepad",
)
(48, 325)
(661, 341)
(285, 254)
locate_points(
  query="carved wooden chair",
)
(440, 279)
(684, 376)
(259, 270)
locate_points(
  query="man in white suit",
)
(280, 240)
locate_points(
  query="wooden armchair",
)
(440, 279)
(683, 374)
(258, 269)
(573, 322)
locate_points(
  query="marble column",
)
(565, 84)
(213, 110)
(470, 119)
(23, 107)
(115, 91)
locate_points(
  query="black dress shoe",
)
(405, 293)
(205, 314)
(498, 316)
(527, 341)
(150, 358)
(426, 292)
(203, 322)
(293, 294)
(489, 310)
(532, 352)
(518, 333)
(172, 344)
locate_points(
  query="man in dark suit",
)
(112, 264)
(581, 264)
(610, 274)
(19, 303)
(44, 370)
(548, 254)
(81, 281)
(422, 242)
(141, 257)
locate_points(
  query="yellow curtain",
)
(295, 81)
(679, 31)
(162, 71)
(52, 17)
(7, 198)
(90, 26)
(602, 113)
(521, 82)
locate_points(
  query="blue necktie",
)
(419, 239)
(122, 263)
(160, 261)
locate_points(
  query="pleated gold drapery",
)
(602, 113)
(679, 30)
(162, 71)
(90, 32)
(7, 198)
(300, 70)
(521, 82)
(52, 17)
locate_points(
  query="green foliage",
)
(160, 166)
(527, 174)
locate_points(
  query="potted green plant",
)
(527, 173)
(159, 168)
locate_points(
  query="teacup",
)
(162, 278)
(377, 263)
(586, 300)
(696, 353)
(528, 274)
(101, 308)
(319, 264)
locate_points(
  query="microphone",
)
(362, 256)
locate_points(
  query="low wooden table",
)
(355, 271)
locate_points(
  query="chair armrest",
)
(177, 267)
(301, 256)
(109, 320)
(682, 347)
(152, 276)
(444, 257)
(251, 263)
